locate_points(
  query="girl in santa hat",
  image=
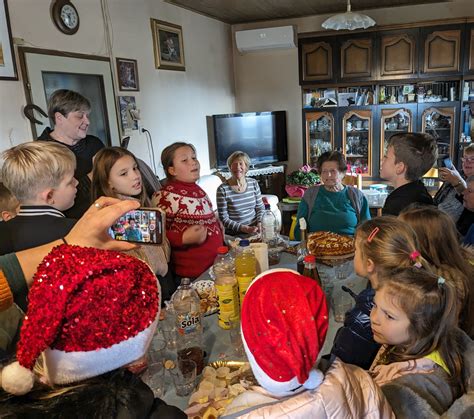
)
(418, 373)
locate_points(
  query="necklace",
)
(239, 186)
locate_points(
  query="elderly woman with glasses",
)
(239, 201)
(449, 197)
(332, 206)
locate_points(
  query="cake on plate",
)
(325, 244)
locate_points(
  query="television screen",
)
(262, 135)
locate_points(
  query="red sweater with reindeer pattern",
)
(187, 204)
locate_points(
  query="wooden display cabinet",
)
(394, 121)
(357, 129)
(441, 50)
(319, 129)
(439, 122)
(398, 55)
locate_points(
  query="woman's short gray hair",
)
(238, 155)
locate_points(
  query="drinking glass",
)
(235, 336)
(342, 303)
(184, 376)
(168, 328)
(154, 377)
(157, 349)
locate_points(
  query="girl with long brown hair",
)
(439, 245)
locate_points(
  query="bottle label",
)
(244, 284)
(228, 296)
(188, 322)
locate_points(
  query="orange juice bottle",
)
(245, 267)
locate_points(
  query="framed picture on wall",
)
(7, 53)
(129, 114)
(127, 73)
(167, 45)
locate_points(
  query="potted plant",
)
(298, 181)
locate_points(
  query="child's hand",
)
(195, 235)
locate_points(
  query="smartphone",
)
(143, 225)
(448, 163)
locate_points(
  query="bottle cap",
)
(267, 206)
(244, 243)
(185, 281)
(222, 250)
(310, 259)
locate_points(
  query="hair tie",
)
(414, 256)
(441, 280)
(373, 234)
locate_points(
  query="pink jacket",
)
(346, 392)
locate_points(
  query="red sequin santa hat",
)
(284, 324)
(90, 311)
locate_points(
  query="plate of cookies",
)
(207, 294)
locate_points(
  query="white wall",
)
(173, 104)
(269, 80)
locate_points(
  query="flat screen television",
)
(262, 135)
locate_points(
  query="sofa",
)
(210, 183)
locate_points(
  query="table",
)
(217, 340)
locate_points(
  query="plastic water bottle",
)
(223, 264)
(245, 267)
(268, 225)
(186, 304)
(302, 249)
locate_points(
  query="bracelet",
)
(457, 184)
(64, 241)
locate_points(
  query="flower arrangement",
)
(298, 181)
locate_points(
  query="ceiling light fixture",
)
(348, 20)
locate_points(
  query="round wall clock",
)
(65, 16)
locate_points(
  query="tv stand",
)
(271, 179)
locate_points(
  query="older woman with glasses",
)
(239, 201)
(449, 197)
(332, 206)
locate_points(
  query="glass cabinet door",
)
(357, 141)
(394, 121)
(319, 135)
(439, 122)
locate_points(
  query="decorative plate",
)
(207, 293)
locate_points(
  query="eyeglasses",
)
(332, 172)
(469, 159)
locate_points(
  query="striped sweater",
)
(239, 208)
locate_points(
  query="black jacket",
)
(402, 197)
(354, 342)
(118, 394)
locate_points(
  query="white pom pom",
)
(314, 380)
(17, 380)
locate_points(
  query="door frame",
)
(22, 51)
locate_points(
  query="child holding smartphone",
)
(116, 174)
(191, 225)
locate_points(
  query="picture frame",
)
(167, 45)
(127, 75)
(7, 53)
(128, 113)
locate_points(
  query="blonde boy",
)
(41, 176)
(409, 156)
(9, 205)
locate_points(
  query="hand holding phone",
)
(447, 162)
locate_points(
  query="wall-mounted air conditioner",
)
(267, 38)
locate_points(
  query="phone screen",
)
(143, 225)
(448, 163)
